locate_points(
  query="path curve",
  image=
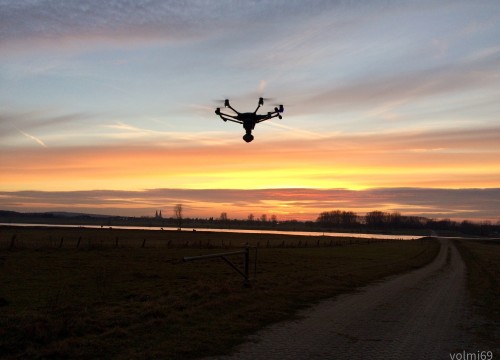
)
(417, 315)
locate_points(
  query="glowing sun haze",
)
(108, 107)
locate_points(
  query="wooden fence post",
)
(13, 241)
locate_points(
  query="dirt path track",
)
(418, 315)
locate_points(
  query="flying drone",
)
(249, 119)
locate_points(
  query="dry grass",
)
(87, 238)
(132, 302)
(482, 258)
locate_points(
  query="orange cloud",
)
(296, 203)
(436, 159)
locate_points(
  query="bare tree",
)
(224, 221)
(178, 214)
(251, 217)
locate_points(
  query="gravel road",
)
(417, 315)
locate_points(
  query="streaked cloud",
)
(61, 23)
(286, 203)
(413, 86)
(37, 140)
(11, 122)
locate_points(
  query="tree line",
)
(338, 220)
(384, 220)
(334, 221)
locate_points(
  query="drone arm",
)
(269, 116)
(227, 117)
(229, 106)
(261, 102)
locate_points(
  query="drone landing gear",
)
(248, 137)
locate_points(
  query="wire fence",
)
(92, 241)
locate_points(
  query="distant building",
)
(158, 215)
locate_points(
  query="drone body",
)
(249, 119)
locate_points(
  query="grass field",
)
(482, 258)
(102, 301)
(88, 238)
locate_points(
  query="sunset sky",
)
(108, 107)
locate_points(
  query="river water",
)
(300, 233)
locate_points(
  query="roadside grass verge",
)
(133, 302)
(482, 258)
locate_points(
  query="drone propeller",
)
(262, 99)
(225, 102)
(280, 107)
(221, 99)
